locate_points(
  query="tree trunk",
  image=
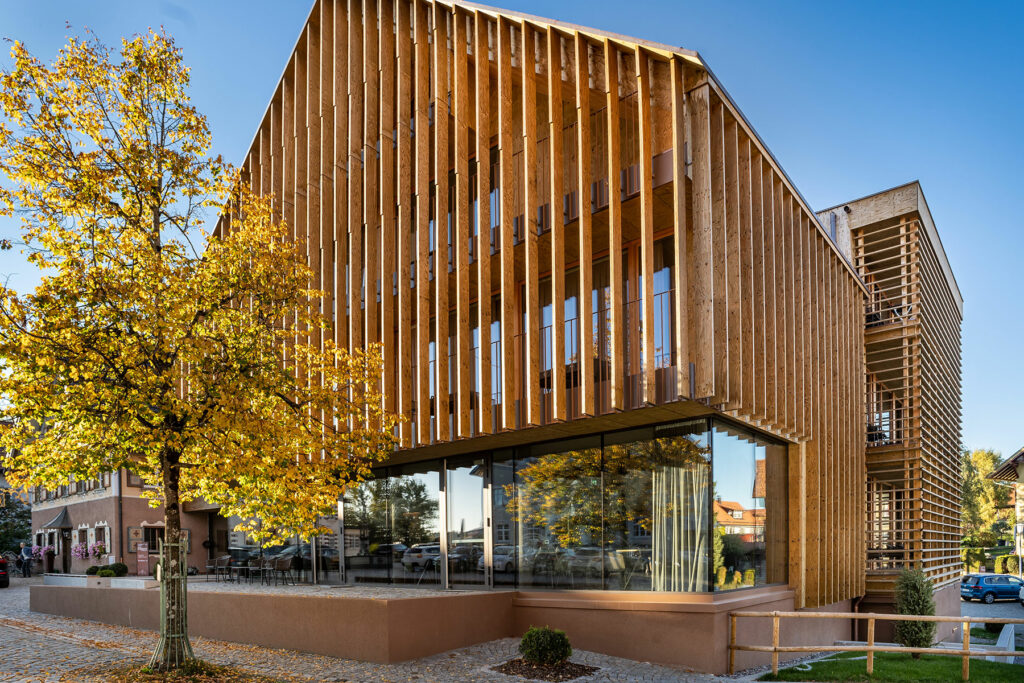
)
(173, 649)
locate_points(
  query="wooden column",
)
(508, 283)
(615, 314)
(341, 167)
(461, 211)
(441, 308)
(388, 227)
(482, 78)
(355, 176)
(405, 247)
(422, 223)
(528, 62)
(586, 324)
(556, 199)
(680, 230)
(701, 285)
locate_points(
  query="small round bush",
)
(119, 569)
(106, 573)
(1012, 564)
(994, 628)
(748, 577)
(91, 571)
(1000, 564)
(545, 646)
(737, 578)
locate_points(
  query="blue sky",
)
(852, 98)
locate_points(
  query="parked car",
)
(421, 556)
(464, 556)
(990, 587)
(504, 558)
(5, 578)
(395, 550)
(584, 561)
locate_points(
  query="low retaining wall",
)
(367, 629)
(681, 630)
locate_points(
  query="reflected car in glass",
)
(504, 559)
(421, 556)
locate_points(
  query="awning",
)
(61, 521)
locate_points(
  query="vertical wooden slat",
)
(422, 96)
(719, 245)
(528, 62)
(326, 170)
(406, 249)
(748, 316)
(341, 166)
(734, 305)
(757, 218)
(508, 284)
(371, 181)
(388, 279)
(461, 211)
(643, 83)
(482, 76)
(702, 286)
(355, 172)
(586, 334)
(555, 171)
(771, 346)
(615, 312)
(680, 230)
(441, 309)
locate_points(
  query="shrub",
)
(737, 578)
(720, 576)
(545, 646)
(1012, 564)
(91, 571)
(748, 577)
(914, 595)
(1000, 564)
(119, 569)
(994, 628)
(106, 573)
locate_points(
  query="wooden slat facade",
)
(912, 405)
(481, 177)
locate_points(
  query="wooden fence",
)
(869, 647)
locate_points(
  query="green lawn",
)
(891, 666)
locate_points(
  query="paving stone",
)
(41, 647)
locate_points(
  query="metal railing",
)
(869, 647)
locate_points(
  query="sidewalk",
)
(38, 647)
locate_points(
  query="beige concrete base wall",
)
(356, 628)
(681, 630)
(684, 630)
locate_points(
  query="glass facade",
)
(694, 506)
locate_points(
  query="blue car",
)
(990, 587)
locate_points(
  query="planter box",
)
(98, 581)
(66, 580)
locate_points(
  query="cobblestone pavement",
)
(39, 647)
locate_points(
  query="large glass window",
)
(750, 512)
(692, 506)
(557, 511)
(657, 520)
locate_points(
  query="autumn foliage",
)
(196, 357)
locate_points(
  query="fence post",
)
(775, 643)
(732, 644)
(965, 673)
(871, 645)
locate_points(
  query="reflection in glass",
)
(465, 500)
(415, 523)
(503, 527)
(656, 514)
(369, 554)
(750, 510)
(557, 510)
(327, 555)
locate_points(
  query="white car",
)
(504, 559)
(422, 556)
(1020, 596)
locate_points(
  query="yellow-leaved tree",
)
(198, 360)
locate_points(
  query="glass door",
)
(465, 488)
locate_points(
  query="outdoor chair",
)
(259, 567)
(283, 570)
(223, 567)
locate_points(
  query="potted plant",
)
(80, 551)
(98, 549)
